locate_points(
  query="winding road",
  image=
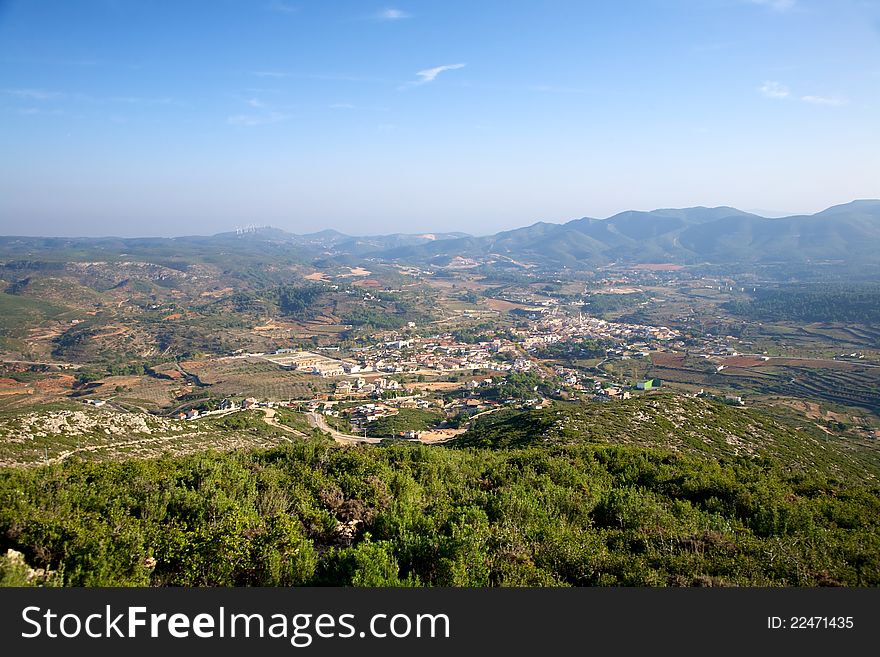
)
(269, 418)
(317, 420)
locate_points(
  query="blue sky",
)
(161, 117)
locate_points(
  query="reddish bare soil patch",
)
(170, 372)
(59, 384)
(503, 306)
(13, 387)
(368, 282)
(663, 359)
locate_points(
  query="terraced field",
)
(254, 377)
(848, 384)
(140, 392)
(856, 387)
(821, 340)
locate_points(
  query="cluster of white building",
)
(361, 386)
(593, 327)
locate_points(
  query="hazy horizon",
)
(128, 118)
(767, 214)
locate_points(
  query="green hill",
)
(654, 491)
(684, 425)
(721, 235)
(405, 515)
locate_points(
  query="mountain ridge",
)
(718, 235)
(678, 235)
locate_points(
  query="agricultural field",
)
(136, 392)
(852, 385)
(254, 377)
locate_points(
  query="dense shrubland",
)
(309, 513)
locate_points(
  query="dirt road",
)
(317, 420)
(269, 418)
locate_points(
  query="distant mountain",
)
(266, 242)
(332, 242)
(684, 236)
(722, 235)
(843, 232)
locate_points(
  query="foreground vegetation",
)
(307, 513)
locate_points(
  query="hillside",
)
(685, 425)
(652, 492)
(685, 236)
(719, 235)
(310, 514)
(239, 248)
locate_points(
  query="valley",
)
(241, 351)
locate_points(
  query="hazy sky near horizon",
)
(150, 117)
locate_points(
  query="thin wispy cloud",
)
(430, 74)
(263, 118)
(553, 89)
(342, 77)
(390, 14)
(351, 106)
(45, 95)
(775, 5)
(134, 100)
(259, 112)
(824, 100)
(713, 47)
(332, 77)
(34, 94)
(283, 8)
(772, 89)
(39, 111)
(777, 91)
(270, 74)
